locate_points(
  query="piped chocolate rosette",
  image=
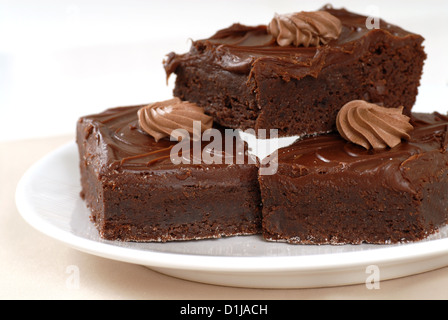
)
(308, 29)
(373, 126)
(160, 119)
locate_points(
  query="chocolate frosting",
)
(331, 153)
(372, 126)
(129, 148)
(252, 50)
(160, 119)
(305, 28)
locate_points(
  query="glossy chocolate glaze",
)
(129, 148)
(332, 154)
(239, 47)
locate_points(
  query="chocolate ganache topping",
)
(308, 29)
(372, 126)
(160, 119)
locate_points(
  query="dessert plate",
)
(48, 198)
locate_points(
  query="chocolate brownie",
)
(330, 191)
(245, 79)
(136, 192)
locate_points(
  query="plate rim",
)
(388, 255)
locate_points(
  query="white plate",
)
(48, 199)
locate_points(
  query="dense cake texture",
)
(244, 79)
(330, 191)
(136, 193)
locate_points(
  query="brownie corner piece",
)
(330, 191)
(135, 192)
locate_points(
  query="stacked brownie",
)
(296, 75)
(244, 79)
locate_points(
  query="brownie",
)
(244, 79)
(330, 191)
(136, 193)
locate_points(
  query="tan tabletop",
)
(34, 266)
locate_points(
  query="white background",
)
(60, 60)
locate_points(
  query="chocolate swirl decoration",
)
(160, 119)
(305, 28)
(372, 126)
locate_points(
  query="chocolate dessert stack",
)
(295, 73)
(364, 167)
